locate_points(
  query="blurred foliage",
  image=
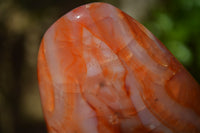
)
(23, 23)
(177, 25)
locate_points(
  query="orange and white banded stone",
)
(101, 71)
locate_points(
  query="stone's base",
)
(100, 71)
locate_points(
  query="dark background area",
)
(23, 23)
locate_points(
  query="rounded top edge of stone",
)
(93, 4)
(82, 10)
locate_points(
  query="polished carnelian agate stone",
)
(101, 71)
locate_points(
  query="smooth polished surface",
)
(100, 71)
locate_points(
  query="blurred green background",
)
(23, 22)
